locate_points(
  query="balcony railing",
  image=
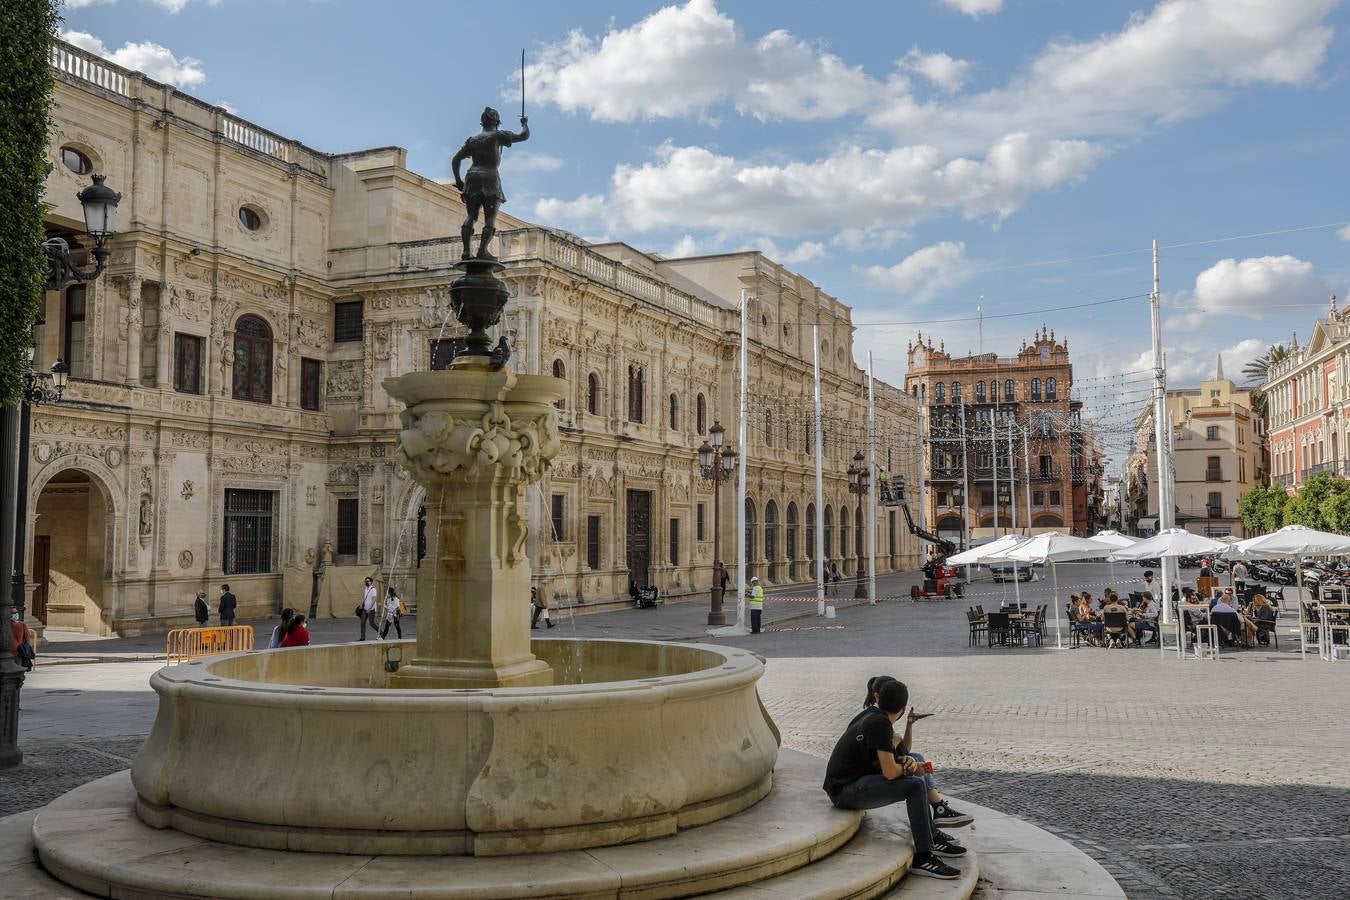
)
(1214, 475)
(1054, 473)
(1285, 480)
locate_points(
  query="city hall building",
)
(225, 419)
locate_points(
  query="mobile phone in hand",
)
(916, 716)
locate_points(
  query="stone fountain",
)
(596, 767)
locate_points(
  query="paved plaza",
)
(1184, 779)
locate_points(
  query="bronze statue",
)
(482, 186)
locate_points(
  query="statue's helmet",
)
(490, 118)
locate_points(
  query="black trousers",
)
(754, 620)
(368, 618)
(398, 628)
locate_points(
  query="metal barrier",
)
(185, 644)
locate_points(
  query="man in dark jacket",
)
(227, 605)
(200, 611)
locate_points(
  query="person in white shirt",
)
(393, 611)
(369, 610)
(1149, 585)
(1240, 577)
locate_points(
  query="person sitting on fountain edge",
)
(864, 773)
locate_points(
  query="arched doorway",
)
(771, 541)
(71, 532)
(949, 529)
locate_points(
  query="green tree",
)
(1336, 512)
(1262, 508)
(27, 31)
(1306, 507)
(1258, 369)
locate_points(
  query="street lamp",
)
(859, 482)
(717, 463)
(99, 203)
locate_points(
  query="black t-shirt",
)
(855, 754)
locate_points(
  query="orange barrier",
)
(184, 644)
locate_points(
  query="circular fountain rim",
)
(735, 665)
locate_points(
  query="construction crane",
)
(945, 547)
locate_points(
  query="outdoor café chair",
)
(999, 628)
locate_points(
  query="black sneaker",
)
(931, 867)
(944, 815)
(945, 846)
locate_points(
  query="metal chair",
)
(998, 627)
(1115, 628)
(978, 625)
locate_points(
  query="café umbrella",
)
(1295, 541)
(1169, 543)
(1053, 547)
(988, 553)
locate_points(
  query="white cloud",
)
(1191, 363)
(525, 161)
(228, 107)
(172, 6)
(975, 8)
(685, 246)
(946, 72)
(81, 4)
(692, 187)
(1344, 233)
(580, 214)
(154, 60)
(1254, 288)
(684, 60)
(924, 272)
(1172, 63)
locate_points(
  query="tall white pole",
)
(923, 471)
(1161, 426)
(871, 485)
(743, 432)
(993, 465)
(1026, 471)
(820, 480)
(965, 486)
(1012, 503)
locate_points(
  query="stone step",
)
(92, 839)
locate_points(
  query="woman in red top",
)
(297, 635)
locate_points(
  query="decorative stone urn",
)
(474, 438)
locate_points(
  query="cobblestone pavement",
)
(1185, 779)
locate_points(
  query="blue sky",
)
(910, 157)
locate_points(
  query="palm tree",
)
(1258, 369)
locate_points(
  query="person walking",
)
(228, 603)
(200, 610)
(1239, 573)
(538, 609)
(280, 631)
(24, 651)
(393, 612)
(756, 604)
(369, 610)
(721, 576)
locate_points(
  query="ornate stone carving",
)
(439, 446)
(312, 495)
(147, 518)
(344, 381)
(187, 489)
(185, 559)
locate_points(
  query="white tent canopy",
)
(1293, 540)
(1114, 538)
(1053, 548)
(978, 555)
(1173, 542)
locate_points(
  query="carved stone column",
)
(475, 438)
(133, 373)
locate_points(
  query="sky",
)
(917, 159)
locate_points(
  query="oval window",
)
(76, 161)
(250, 218)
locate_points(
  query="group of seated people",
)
(1111, 621)
(1239, 624)
(1108, 620)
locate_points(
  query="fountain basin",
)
(308, 749)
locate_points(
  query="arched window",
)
(1009, 391)
(252, 360)
(979, 392)
(1035, 389)
(771, 539)
(956, 392)
(750, 556)
(635, 388)
(593, 394)
(674, 413)
(560, 371)
(811, 531)
(923, 392)
(701, 414)
(858, 532)
(1050, 389)
(939, 393)
(791, 546)
(829, 533)
(768, 429)
(843, 533)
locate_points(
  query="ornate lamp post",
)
(859, 482)
(99, 203)
(717, 463)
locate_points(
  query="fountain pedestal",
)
(475, 438)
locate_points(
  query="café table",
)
(1333, 616)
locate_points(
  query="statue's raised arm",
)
(481, 187)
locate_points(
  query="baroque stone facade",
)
(225, 419)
